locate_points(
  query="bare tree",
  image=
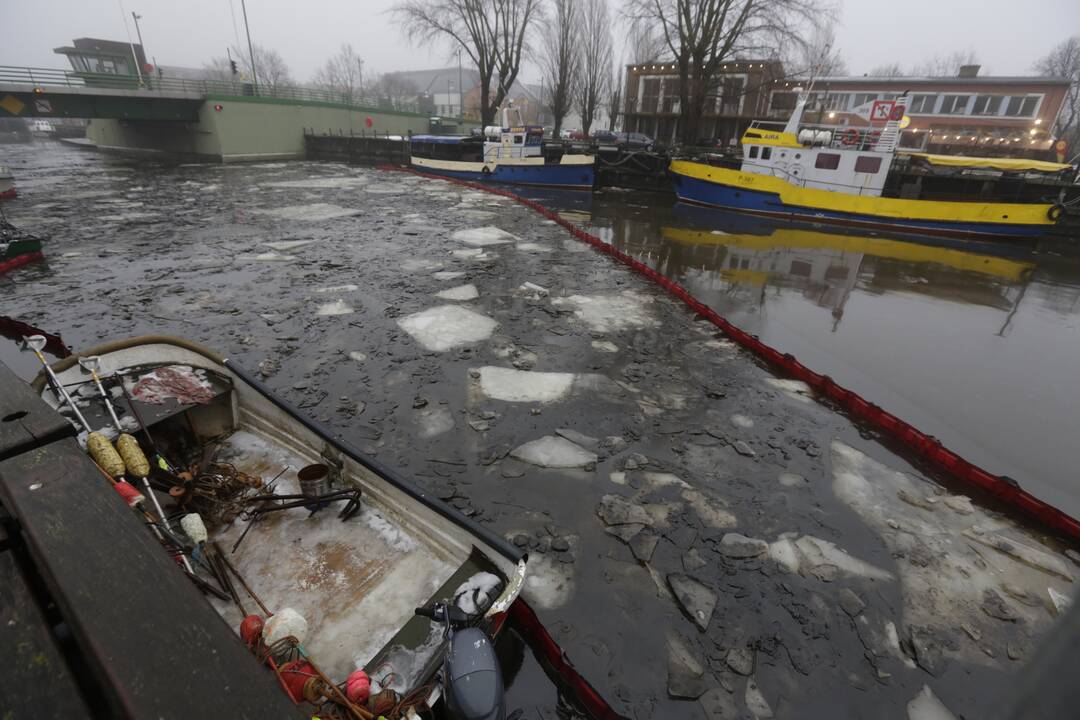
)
(703, 34)
(1064, 61)
(395, 91)
(890, 70)
(342, 74)
(272, 72)
(491, 32)
(644, 44)
(560, 59)
(596, 58)
(614, 100)
(945, 65)
(818, 57)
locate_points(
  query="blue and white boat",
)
(510, 153)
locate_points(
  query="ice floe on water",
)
(512, 385)
(814, 557)
(461, 292)
(434, 421)
(553, 451)
(448, 274)
(795, 389)
(286, 245)
(447, 326)
(549, 583)
(357, 356)
(611, 313)
(742, 421)
(926, 706)
(383, 188)
(472, 254)
(420, 265)
(338, 288)
(959, 565)
(326, 183)
(474, 214)
(533, 247)
(605, 346)
(338, 307)
(315, 212)
(266, 257)
(484, 236)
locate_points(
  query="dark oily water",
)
(705, 539)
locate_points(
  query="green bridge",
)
(224, 121)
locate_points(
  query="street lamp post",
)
(251, 49)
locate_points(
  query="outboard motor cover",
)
(476, 685)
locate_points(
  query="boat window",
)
(867, 164)
(753, 151)
(766, 153)
(518, 139)
(827, 161)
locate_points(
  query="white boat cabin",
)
(512, 140)
(850, 160)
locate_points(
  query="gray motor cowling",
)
(475, 680)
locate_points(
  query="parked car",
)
(565, 133)
(577, 135)
(635, 141)
(605, 136)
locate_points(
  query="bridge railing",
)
(46, 77)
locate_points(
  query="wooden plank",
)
(26, 422)
(35, 682)
(158, 648)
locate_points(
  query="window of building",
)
(862, 98)
(954, 104)
(836, 101)
(766, 153)
(987, 105)
(827, 161)
(782, 101)
(922, 104)
(753, 151)
(731, 100)
(650, 97)
(867, 164)
(1022, 105)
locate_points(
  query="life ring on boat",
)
(850, 136)
(1055, 212)
(485, 170)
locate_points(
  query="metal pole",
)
(251, 50)
(138, 31)
(127, 31)
(460, 102)
(360, 64)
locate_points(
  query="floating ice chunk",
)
(474, 214)
(755, 701)
(619, 478)
(357, 356)
(808, 552)
(447, 326)
(471, 254)
(709, 510)
(314, 212)
(606, 313)
(537, 291)
(523, 386)
(447, 275)
(266, 257)
(420, 265)
(742, 421)
(338, 307)
(1060, 601)
(789, 479)
(383, 188)
(484, 236)
(1024, 553)
(659, 480)
(286, 245)
(549, 583)
(796, 389)
(553, 451)
(605, 346)
(320, 183)
(461, 292)
(434, 421)
(338, 288)
(533, 247)
(926, 706)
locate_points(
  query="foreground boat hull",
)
(575, 175)
(767, 196)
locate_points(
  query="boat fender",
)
(104, 454)
(358, 687)
(486, 170)
(194, 528)
(286, 623)
(134, 458)
(251, 629)
(1055, 212)
(131, 496)
(851, 136)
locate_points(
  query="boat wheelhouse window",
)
(954, 104)
(753, 151)
(827, 161)
(766, 153)
(987, 105)
(867, 164)
(518, 139)
(923, 103)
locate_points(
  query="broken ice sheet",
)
(533, 247)
(320, 183)
(461, 292)
(447, 326)
(434, 421)
(484, 236)
(338, 307)
(266, 257)
(314, 212)
(512, 385)
(553, 451)
(795, 389)
(447, 275)
(286, 245)
(338, 288)
(607, 313)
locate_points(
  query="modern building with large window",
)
(967, 114)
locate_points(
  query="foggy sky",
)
(1007, 36)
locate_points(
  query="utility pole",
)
(131, 43)
(460, 103)
(360, 64)
(138, 31)
(251, 50)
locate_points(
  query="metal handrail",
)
(45, 77)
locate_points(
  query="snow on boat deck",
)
(355, 582)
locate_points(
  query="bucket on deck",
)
(313, 479)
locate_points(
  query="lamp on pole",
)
(251, 49)
(138, 31)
